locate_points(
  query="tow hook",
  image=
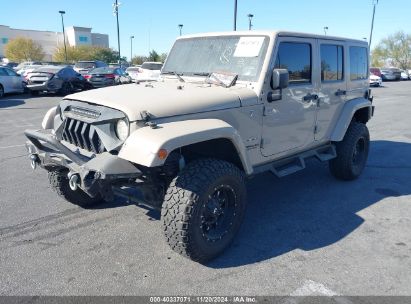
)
(34, 161)
(73, 181)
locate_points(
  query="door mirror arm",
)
(274, 96)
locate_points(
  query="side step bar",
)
(295, 163)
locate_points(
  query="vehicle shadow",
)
(311, 209)
(8, 103)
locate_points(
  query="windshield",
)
(85, 65)
(243, 56)
(132, 70)
(103, 70)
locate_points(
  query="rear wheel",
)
(66, 89)
(60, 184)
(203, 208)
(352, 153)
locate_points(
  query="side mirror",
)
(279, 79)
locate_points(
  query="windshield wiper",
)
(175, 74)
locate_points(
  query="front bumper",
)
(94, 172)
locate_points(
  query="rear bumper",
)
(45, 86)
(94, 173)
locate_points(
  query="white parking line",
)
(9, 147)
(312, 288)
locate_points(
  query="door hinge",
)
(315, 129)
(262, 143)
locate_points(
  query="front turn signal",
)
(162, 154)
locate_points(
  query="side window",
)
(3, 72)
(332, 64)
(358, 63)
(296, 58)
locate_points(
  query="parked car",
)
(375, 71)
(106, 76)
(124, 65)
(409, 74)
(24, 64)
(83, 67)
(29, 67)
(387, 74)
(375, 81)
(149, 71)
(133, 72)
(404, 75)
(394, 71)
(10, 65)
(10, 82)
(188, 149)
(58, 79)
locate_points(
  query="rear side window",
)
(152, 66)
(296, 58)
(358, 63)
(331, 63)
(3, 72)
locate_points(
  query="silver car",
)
(10, 82)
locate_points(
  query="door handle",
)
(340, 92)
(310, 97)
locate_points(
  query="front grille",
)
(83, 135)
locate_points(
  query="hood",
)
(167, 98)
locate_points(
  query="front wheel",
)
(59, 182)
(352, 153)
(203, 208)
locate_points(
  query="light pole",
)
(116, 5)
(375, 2)
(131, 45)
(235, 15)
(64, 34)
(180, 26)
(250, 18)
(325, 30)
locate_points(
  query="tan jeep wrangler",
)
(227, 106)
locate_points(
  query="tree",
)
(23, 49)
(395, 49)
(153, 56)
(86, 52)
(138, 60)
(163, 57)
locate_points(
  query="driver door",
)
(288, 124)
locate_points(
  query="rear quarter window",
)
(358, 63)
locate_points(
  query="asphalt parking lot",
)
(303, 234)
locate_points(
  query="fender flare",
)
(48, 120)
(347, 113)
(142, 146)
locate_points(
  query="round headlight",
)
(122, 129)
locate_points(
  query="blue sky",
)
(154, 24)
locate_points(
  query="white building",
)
(51, 40)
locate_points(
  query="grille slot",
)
(81, 134)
